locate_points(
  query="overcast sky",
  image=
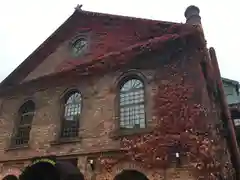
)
(25, 24)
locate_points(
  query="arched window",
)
(26, 113)
(72, 111)
(131, 102)
(79, 46)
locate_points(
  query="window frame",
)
(120, 86)
(118, 132)
(63, 125)
(74, 45)
(25, 126)
(81, 35)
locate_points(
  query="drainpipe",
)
(234, 150)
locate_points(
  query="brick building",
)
(231, 89)
(118, 98)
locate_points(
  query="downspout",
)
(234, 150)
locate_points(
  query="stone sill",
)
(17, 147)
(129, 132)
(65, 141)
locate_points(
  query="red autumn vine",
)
(176, 37)
(180, 127)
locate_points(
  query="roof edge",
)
(124, 17)
(154, 43)
(230, 81)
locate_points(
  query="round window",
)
(79, 46)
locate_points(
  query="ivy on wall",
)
(183, 125)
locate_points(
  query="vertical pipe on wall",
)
(224, 107)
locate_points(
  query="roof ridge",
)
(124, 16)
(230, 80)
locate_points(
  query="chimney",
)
(192, 15)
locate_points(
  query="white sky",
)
(25, 24)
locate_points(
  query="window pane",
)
(70, 129)
(71, 115)
(26, 118)
(132, 116)
(73, 107)
(132, 84)
(132, 110)
(26, 114)
(79, 46)
(22, 136)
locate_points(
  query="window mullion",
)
(72, 113)
(131, 105)
(27, 112)
(132, 90)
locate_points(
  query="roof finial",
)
(192, 15)
(79, 7)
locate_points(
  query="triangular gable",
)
(108, 33)
(39, 55)
(177, 38)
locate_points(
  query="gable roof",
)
(145, 29)
(177, 39)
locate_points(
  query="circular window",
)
(79, 46)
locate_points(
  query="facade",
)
(231, 89)
(118, 98)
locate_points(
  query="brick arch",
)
(130, 174)
(120, 167)
(130, 73)
(10, 171)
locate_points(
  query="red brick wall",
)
(151, 174)
(105, 35)
(49, 65)
(97, 120)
